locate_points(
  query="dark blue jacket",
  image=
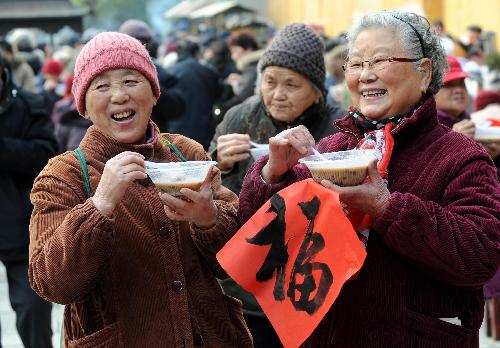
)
(26, 143)
(200, 87)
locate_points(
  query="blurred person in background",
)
(246, 54)
(473, 43)
(487, 109)
(170, 57)
(69, 126)
(22, 74)
(24, 44)
(50, 82)
(201, 88)
(65, 55)
(86, 36)
(218, 57)
(335, 80)
(135, 267)
(492, 72)
(171, 103)
(446, 39)
(433, 198)
(319, 29)
(291, 92)
(452, 100)
(26, 144)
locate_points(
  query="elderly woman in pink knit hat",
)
(134, 268)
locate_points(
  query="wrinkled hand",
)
(232, 148)
(492, 147)
(466, 127)
(371, 197)
(200, 209)
(119, 172)
(285, 149)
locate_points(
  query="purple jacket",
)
(492, 287)
(449, 120)
(431, 251)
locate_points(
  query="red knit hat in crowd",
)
(455, 72)
(485, 98)
(108, 51)
(52, 67)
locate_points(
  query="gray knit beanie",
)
(299, 48)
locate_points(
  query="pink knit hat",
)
(108, 51)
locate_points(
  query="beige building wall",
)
(458, 14)
(337, 15)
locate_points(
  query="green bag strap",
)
(173, 148)
(83, 164)
(166, 142)
(176, 151)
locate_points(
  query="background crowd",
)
(213, 90)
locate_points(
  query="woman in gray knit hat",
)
(291, 93)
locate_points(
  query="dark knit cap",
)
(138, 29)
(298, 48)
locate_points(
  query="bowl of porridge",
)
(343, 168)
(171, 177)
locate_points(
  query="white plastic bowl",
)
(343, 168)
(171, 177)
(485, 133)
(259, 151)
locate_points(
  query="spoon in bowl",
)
(320, 156)
(254, 144)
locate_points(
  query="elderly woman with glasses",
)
(433, 197)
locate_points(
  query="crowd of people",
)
(84, 226)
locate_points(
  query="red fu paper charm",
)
(294, 255)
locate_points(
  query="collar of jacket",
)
(423, 120)
(308, 118)
(107, 147)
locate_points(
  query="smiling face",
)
(392, 91)
(452, 98)
(286, 93)
(119, 103)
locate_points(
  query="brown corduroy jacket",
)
(137, 279)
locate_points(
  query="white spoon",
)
(321, 157)
(254, 144)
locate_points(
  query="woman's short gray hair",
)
(408, 25)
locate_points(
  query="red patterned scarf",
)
(377, 136)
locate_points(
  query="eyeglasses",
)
(375, 64)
